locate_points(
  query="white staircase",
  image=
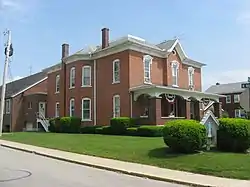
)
(44, 122)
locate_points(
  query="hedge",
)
(184, 136)
(89, 129)
(119, 125)
(150, 131)
(233, 134)
(65, 125)
(145, 131)
(131, 131)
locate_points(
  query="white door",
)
(29, 126)
(42, 109)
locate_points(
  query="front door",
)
(42, 109)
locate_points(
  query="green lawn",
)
(151, 151)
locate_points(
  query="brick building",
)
(231, 101)
(24, 98)
(128, 77)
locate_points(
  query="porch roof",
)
(156, 90)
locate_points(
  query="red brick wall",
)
(18, 105)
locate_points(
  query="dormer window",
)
(191, 77)
(147, 62)
(175, 73)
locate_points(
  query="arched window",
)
(72, 107)
(116, 71)
(86, 109)
(191, 76)
(72, 77)
(86, 76)
(175, 73)
(57, 83)
(116, 106)
(147, 62)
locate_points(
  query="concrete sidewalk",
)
(131, 168)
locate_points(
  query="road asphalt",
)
(20, 169)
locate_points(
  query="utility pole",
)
(8, 53)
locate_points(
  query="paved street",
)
(25, 169)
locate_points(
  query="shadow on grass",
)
(165, 152)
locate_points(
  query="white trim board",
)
(157, 90)
(25, 89)
(130, 43)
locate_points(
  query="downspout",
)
(95, 92)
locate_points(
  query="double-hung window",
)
(86, 76)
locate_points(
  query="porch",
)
(153, 104)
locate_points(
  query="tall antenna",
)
(179, 37)
(8, 53)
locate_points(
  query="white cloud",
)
(17, 9)
(244, 18)
(237, 75)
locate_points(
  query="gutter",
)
(94, 95)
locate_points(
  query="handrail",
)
(44, 121)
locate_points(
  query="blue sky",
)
(214, 32)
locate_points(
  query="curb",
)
(107, 168)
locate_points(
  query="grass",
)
(151, 151)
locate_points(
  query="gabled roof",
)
(226, 88)
(20, 85)
(208, 114)
(167, 44)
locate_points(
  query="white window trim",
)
(57, 83)
(87, 99)
(70, 106)
(114, 104)
(7, 110)
(175, 63)
(230, 99)
(238, 96)
(190, 76)
(71, 78)
(235, 111)
(145, 58)
(57, 114)
(90, 77)
(114, 62)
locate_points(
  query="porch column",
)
(197, 110)
(188, 109)
(154, 110)
(217, 109)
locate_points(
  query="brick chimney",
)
(62, 104)
(65, 50)
(105, 38)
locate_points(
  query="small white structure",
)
(212, 124)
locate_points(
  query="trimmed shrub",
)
(65, 125)
(131, 131)
(119, 125)
(184, 136)
(52, 125)
(150, 131)
(106, 130)
(233, 134)
(98, 130)
(225, 114)
(89, 129)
